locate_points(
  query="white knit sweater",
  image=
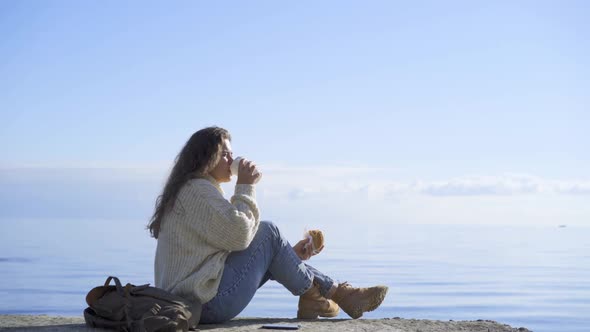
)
(198, 234)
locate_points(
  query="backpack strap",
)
(126, 291)
(117, 284)
(98, 292)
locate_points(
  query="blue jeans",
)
(269, 257)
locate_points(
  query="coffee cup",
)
(235, 166)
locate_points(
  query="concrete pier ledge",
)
(55, 323)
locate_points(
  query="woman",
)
(219, 252)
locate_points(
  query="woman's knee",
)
(266, 226)
(269, 230)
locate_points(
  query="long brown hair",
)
(199, 155)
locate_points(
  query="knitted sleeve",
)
(225, 225)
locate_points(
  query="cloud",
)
(572, 188)
(299, 193)
(376, 184)
(366, 184)
(484, 186)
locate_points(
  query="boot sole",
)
(374, 303)
(314, 315)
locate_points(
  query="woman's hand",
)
(248, 173)
(303, 249)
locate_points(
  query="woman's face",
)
(222, 172)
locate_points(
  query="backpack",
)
(139, 308)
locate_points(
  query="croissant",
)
(317, 240)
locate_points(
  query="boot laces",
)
(345, 285)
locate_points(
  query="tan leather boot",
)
(312, 304)
(356, 301)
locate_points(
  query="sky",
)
(384, 112)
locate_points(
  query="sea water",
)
(536, 277)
